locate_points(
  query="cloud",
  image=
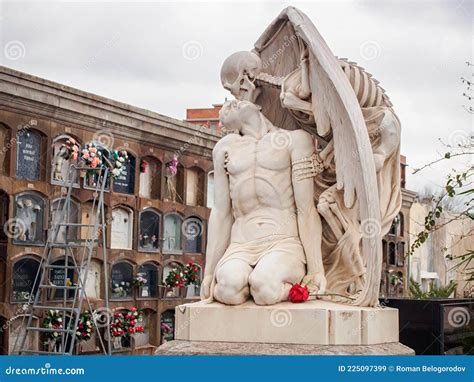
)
(139, 53)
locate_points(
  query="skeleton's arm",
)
(309, 222)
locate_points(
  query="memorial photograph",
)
(257, 190)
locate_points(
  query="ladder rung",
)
(78, 225)
(37, 329)
(61, 266)
(41, 352)
(58, 286)
(69, 245)
(66, 309)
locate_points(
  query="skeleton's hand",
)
(316, 282)
(206, 286)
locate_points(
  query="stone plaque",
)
(28, 164)
(125, 183)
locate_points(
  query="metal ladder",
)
(70, 307)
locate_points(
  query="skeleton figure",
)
(298, 83)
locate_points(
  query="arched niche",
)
(172, 233)
(29, 218)
(150, 178)
(149, 231)
(195, 185)
(62, 159)
(122, 228)
(125, 183)
(30, 155)
(121, 280)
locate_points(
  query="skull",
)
(238, 75)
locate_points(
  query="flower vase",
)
(117, 342)
(182, 292)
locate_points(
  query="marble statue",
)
(308, 182)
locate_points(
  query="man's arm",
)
(220, 221)
(309, 222)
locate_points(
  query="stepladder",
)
(59, 292)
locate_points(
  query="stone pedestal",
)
(311, 323)
(180, 347)
(314, 327)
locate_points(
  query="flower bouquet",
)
(143, 166)
(191, 274)
(175, 279)
(139, 281)
(118, 160)
(121, 289)
(53, 320)
(125, 324)
(92, 157)
(70, 149)
(85, 327)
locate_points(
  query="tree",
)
(457, 195)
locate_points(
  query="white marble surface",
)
(312, 323)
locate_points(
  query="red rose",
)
(298, 293)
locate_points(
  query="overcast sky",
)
(166, 56)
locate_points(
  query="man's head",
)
(235, 114)
(238, 75)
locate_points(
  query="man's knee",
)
(231, 285)
(265, 289)
(231, 278)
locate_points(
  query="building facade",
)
(395, 244)
(147, 208)
(207, 117)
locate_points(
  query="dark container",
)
(435, 326)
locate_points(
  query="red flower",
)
(140, 329)
(298, 293)
(133, 309)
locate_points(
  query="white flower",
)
(78, 333)
(88, 323)
(60, 319)
(55, 334)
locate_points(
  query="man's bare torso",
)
(260, 184)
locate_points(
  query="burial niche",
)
(29, 155)
(29, 218)
(122, 228)
(150, 178)
(172, 233)
(149, 231)
(125, 182)
(23, 279)
(121, 280)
